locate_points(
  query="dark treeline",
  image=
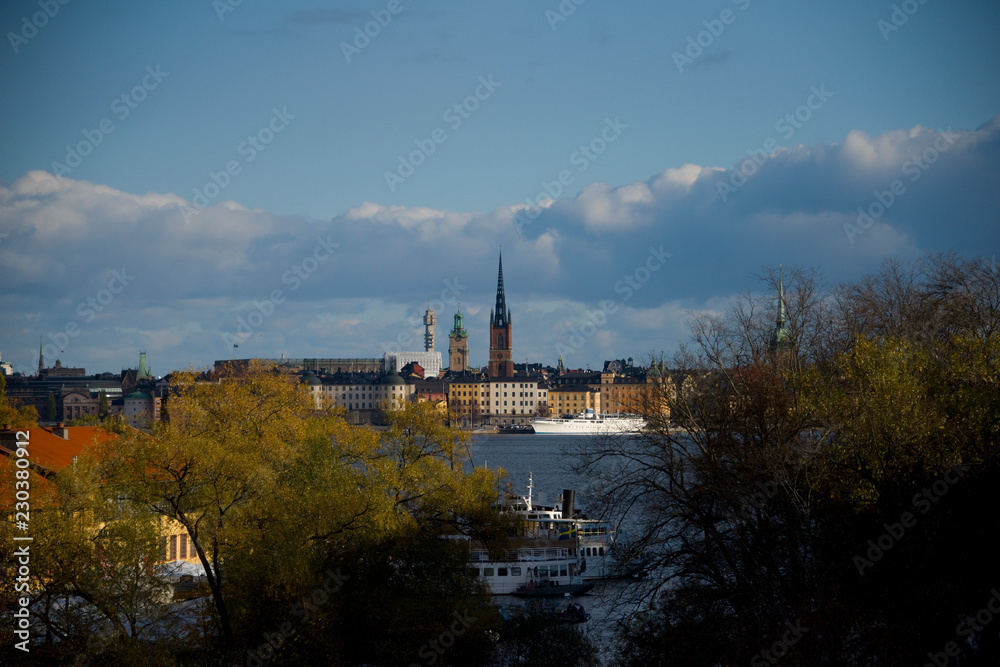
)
(827, 492)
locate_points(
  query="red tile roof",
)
(50, 451)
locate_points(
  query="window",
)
(487, 571)
(184, 545)
(501, 572)
(515, 572)
(173, 547)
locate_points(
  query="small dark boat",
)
(515, 429)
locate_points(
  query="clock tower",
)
(458, 345)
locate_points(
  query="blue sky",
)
(667, 124)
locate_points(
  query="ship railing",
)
(516, 555)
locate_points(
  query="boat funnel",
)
(567, 503)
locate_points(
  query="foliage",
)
(25, 416)
(838, 487)
(85, 420)
(103, 407)
(320, 541)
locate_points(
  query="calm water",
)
(545, 456)
(549, 458)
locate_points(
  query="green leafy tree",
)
(50, 408)
(103, 407)
(278, 500)
(25, 416)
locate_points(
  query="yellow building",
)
(466, 399)
(573, 399)
(622, 395)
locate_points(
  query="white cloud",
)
(357, 281)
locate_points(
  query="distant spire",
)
(501, 315)
(41, 356)
(781, 339)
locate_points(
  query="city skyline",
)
(315, 176)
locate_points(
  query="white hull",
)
(538, 566)
(588, 425)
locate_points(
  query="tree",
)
(103, 407)
(50, 409)
(796, 494)
(18, 417)
(223, 449)
(278, 501)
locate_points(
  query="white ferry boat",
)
(587, 423)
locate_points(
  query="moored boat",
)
(588, 423)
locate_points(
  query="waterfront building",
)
(363, 395)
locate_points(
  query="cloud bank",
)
(101, 274)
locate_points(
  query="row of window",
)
(539, 571)
(175, 542)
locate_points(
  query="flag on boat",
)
(568, 532)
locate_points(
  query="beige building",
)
(356, 394)
(502, 401)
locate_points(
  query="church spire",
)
(781, 339)
(41, 357)
(501, 314)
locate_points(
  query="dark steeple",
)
(781, 339)
(501, 360)
(500, 316)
